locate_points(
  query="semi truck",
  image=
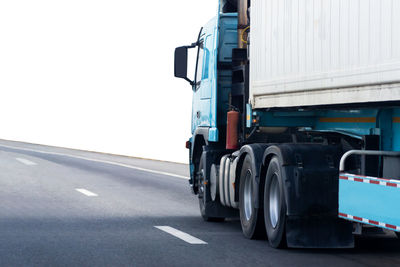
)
(296, 119)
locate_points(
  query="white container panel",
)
(323, 52)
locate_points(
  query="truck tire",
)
(251, 218)
(397, 234)
(275, 205)
(202, 192)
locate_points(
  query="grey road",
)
(63, 207)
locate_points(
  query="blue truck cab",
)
(301, 176)
(212, 82)
(212, 85)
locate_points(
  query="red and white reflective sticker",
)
(363, 220)
(370, 180)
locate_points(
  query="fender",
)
(311, 174)
(311, 178)
(198, 140)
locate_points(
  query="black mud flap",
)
(311, 189)
(318, 232)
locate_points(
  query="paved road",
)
(62, 207)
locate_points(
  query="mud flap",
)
(318, 232)
(311, 189)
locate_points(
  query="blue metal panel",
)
(286, 119)
(371, 202)
(213, 68)
(396, 129)
(203, 106)
(224, 88)
(358, 121)
(213, 135)
(227, 40)
(219, 37)
(353, 122)
(384, 123)
(227, 36)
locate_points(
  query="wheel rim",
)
(248, 193)
(201, 182)
(274, 201)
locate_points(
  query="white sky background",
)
(98, 75)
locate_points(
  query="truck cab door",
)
(203, 113)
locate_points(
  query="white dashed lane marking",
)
(26, 162)
(86, 192)
(181, 235)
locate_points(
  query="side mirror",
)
(180, 68)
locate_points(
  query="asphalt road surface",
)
(63, 207)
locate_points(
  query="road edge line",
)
(97, 160)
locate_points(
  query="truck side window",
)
(206, 58)
(199, 64)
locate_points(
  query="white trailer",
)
(323, 52)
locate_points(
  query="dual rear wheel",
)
(251, 214)
(275, 204)
(263, 213)
(262, 207)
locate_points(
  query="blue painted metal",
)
(379, 122)
(202, 112)
(396, 130)
(370, 201)
(226, 42)
(356, 128)
(227, 39)
(384, 124)
(210, 97)
(213, 134)
(286, 119)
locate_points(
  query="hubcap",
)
(274, 201)
(248, 193)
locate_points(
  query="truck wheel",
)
(251, 218)
(203, 190)
(275, 205)
(397, 234)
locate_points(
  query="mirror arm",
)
(189, 80)
(193, 45)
